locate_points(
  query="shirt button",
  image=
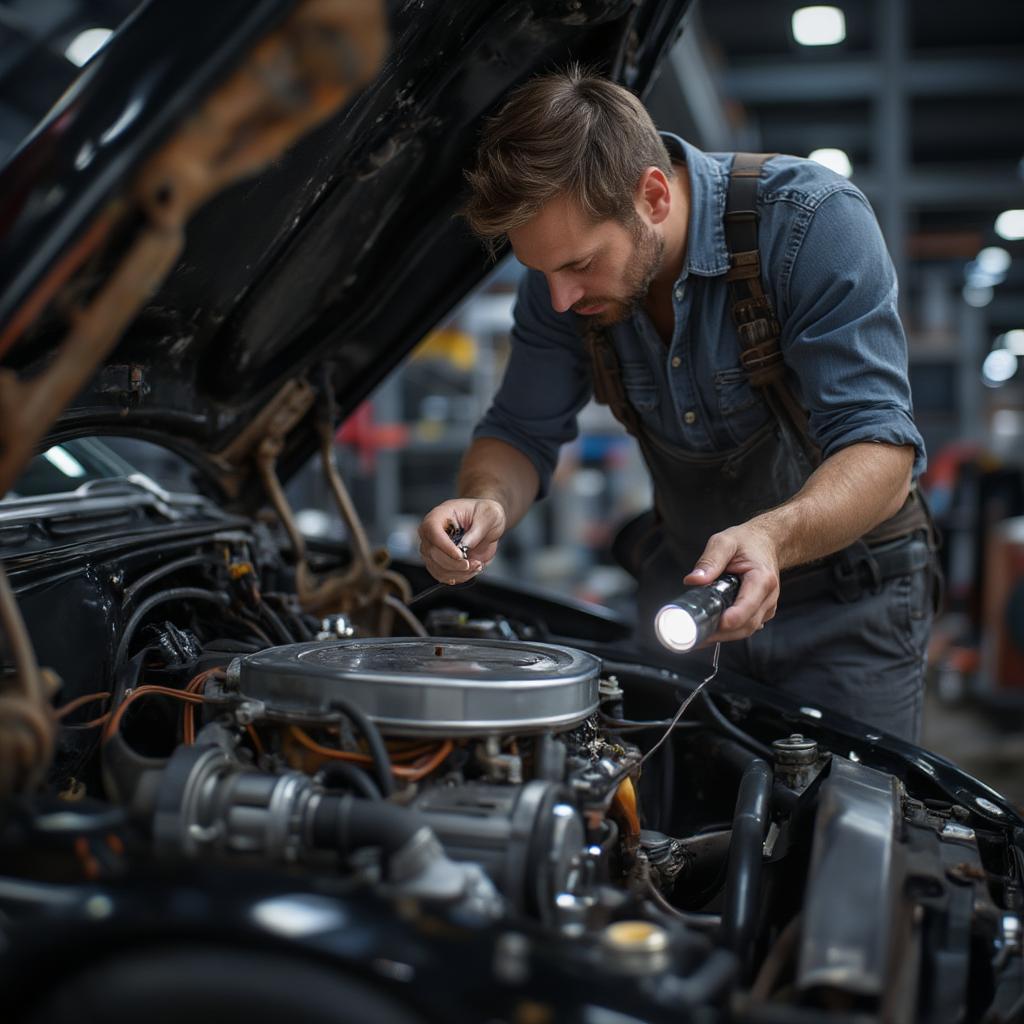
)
(677, 362)
(690, 417)
(678, 291)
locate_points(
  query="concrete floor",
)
(987, 744)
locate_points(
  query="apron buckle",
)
(855, 571)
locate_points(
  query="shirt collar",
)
(706, 251)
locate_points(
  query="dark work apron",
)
(695, 494)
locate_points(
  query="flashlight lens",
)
(675, 628)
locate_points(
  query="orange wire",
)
(74, 705)
(195, 685)
(412, 772)
(115, 719)
(425, 757)
(91, 724)
(257, 743)
(422, 769)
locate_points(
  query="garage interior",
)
(259, 761)
(920, 104)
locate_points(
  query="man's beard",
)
(648, 253)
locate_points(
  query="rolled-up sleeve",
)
(842, 336)
(546, 383)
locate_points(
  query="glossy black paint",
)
(164, 59)
(346, 251)
(431, 966)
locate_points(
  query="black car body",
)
(274, 783)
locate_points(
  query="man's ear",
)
(653, 195)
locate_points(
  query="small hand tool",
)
(456, 533)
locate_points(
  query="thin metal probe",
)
(686, 703)
(434, 588)
(626, 769)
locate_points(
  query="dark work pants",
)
(864, 658)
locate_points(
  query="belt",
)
(856, 570)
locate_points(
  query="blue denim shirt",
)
(826, 268)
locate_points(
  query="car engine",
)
(532, 807)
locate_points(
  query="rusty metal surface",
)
(337, 256)
(293, 80)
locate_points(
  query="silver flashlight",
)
(693, 616)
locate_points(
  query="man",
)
(633, 293)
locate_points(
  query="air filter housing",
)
(423, 686)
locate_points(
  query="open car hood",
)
(316, 274)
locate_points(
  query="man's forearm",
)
(847, 495)
(493, 469)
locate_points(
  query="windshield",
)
(67, 466)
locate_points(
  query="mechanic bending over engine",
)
(776, 424)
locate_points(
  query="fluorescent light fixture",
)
(999, 366)
(1013, 341)
(1010, 225)
(819, 26)
(977, 277)
(993, 260)
(834, 159)
(64, 461)
(86, 45)
(977, 295)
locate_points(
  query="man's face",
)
(601, 270)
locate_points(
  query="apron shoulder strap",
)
(606, 375)
(752, 310)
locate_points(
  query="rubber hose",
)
(340, 773)
(374, 740)
(743, 874)
(346, 823)
(167, 569)
(709, 981)
(175, 594)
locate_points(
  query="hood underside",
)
(332, 261)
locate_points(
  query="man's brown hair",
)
(572, 133)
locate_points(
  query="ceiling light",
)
(1010, 225)
(977, 295)
(64, 461)
(86, 45)
(999, 366)
(993, 260)
(1013, 341)
(834, 159)
(978, 277)
(819, 26)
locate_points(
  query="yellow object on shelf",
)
(450, 345)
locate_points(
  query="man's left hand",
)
(749, 552)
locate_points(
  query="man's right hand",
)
(484, 522)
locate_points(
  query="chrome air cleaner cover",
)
(423, 686)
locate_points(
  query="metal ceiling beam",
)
(951, 188)
(688, 60)
(790, 82)
(890, 122)
(1006, 307)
